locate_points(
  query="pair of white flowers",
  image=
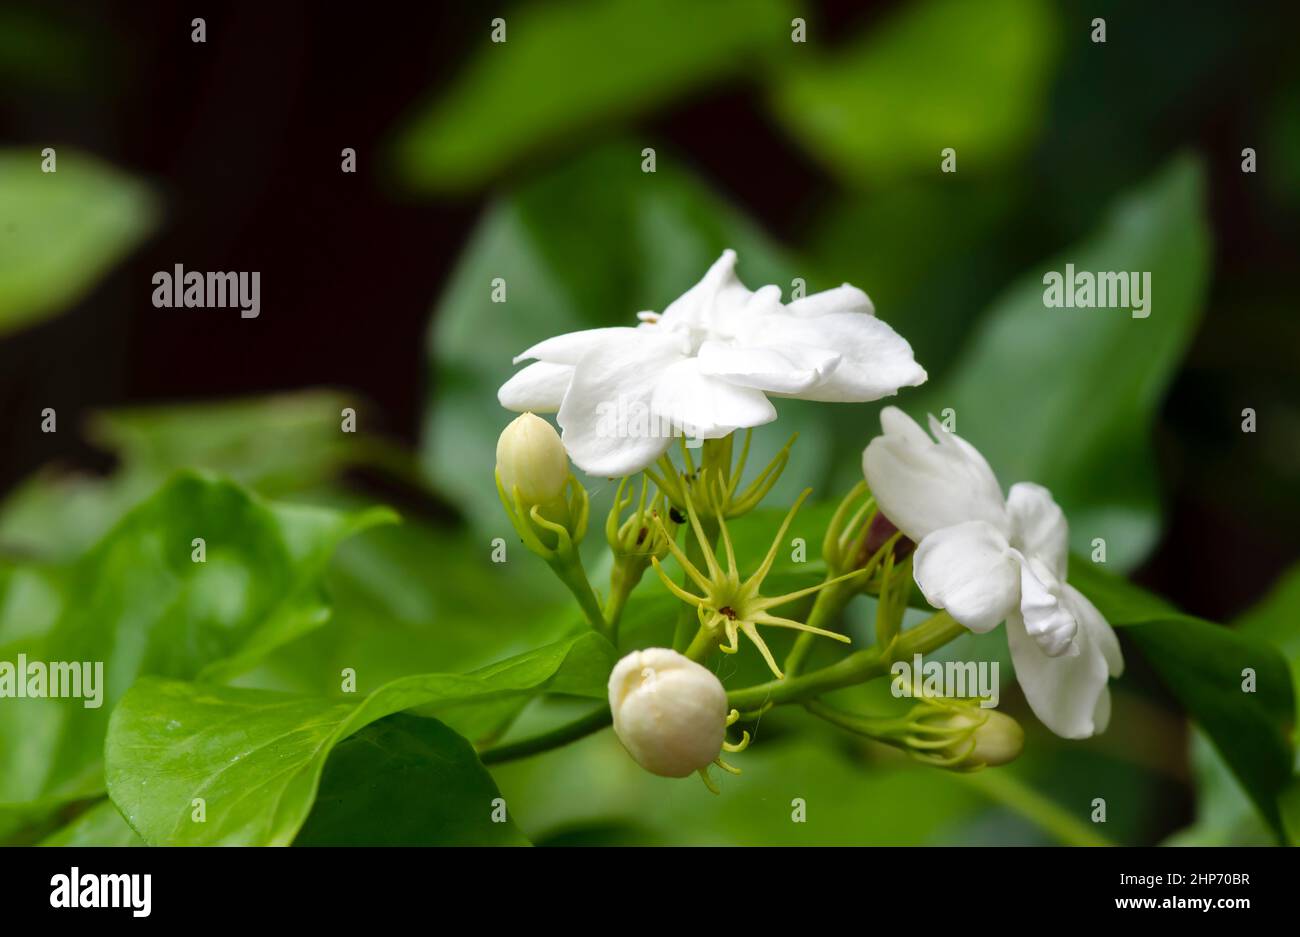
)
(711, 360)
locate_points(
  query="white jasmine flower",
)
(987, 560)
(706, 367)
(669, 712)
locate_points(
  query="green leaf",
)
(1203, 665)
(278, 444)
(1084, 385)
(256, 757)
(943, 73)
(392, 618)
(62, 230)
(1276, 619)
(275, 443)
(616, 58)
(139, 604)
(101, 825)
(406, 781)
(1223, 815)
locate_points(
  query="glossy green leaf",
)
(939, 74)
(256, 758)
(139, 604)
(616, 58)
(413, 598)
(62, 230)
(1066, 397)
(407, 781)
(1204, 665)
(101, 825)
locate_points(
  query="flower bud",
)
(531, 460)
(998, 738)
(669, 712)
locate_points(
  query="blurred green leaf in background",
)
(60, 231)
(939, 74)
(567, 68)
(1067, 397)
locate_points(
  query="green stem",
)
(827, 607)
(700, 646)
(555, 738)
(623, 578)
(574, 576)
(859, 667)
(881, 728)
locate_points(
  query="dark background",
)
(242, 135)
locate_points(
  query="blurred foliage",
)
(1067, 397)
(62, 230)
(1205, 667)
(279, 445)
(602, 60)
(939, 74)
(1223, 814)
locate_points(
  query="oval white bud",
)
(669, 712)
(532, 460)
(998, 739)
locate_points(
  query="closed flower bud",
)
(669, 712)
(532, 461)
(997, 738)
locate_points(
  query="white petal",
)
(923, 486)
(539, 387)
(894, 422)
(875, 361)
(718, 293)
(707, 407)
(1095, 626)
(769, 369)
(608, 427)
(970, 570)
(843, 298)
(569, 347)
(1038, 526)
(1046, 618)
(1068, 694)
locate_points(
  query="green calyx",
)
(727, 605)
(714, 486)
